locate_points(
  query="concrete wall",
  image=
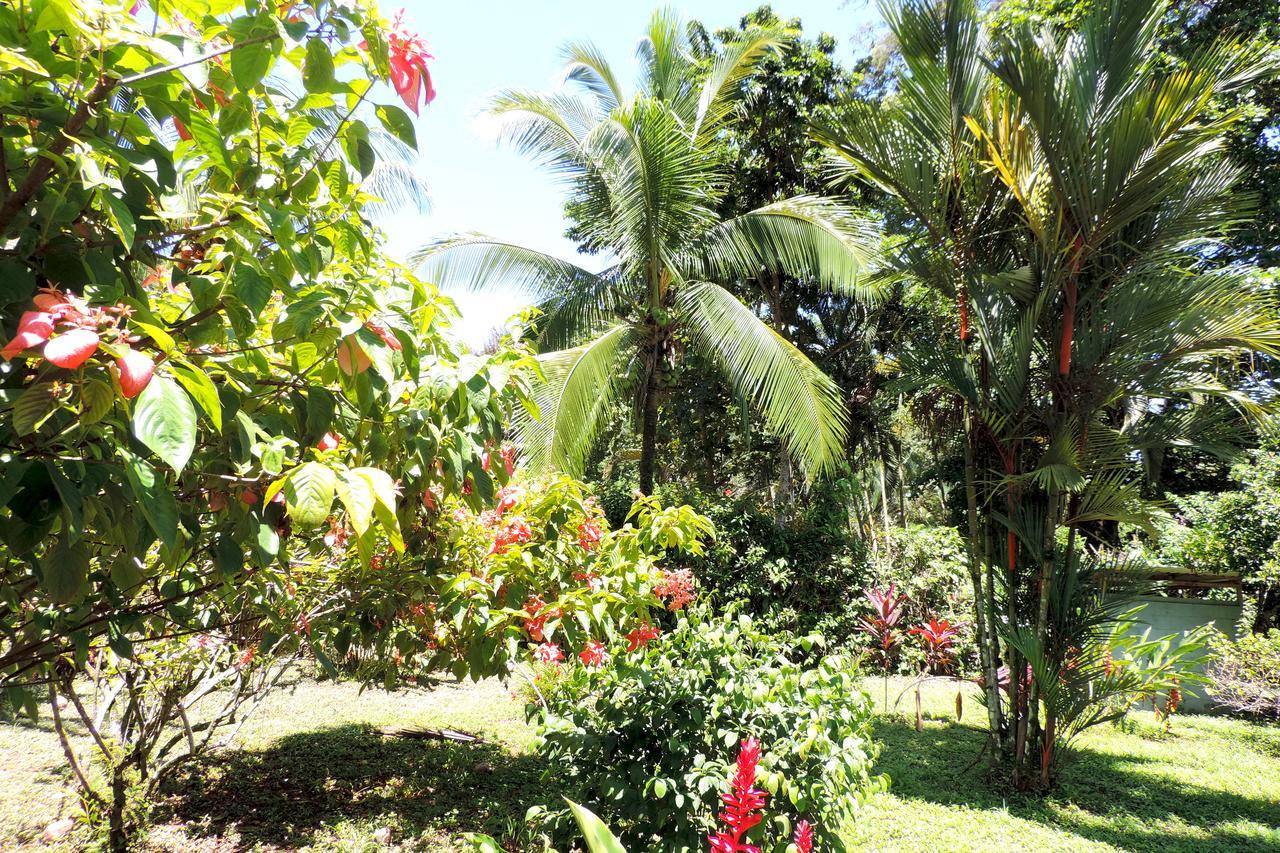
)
(1175, 615)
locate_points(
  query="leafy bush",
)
(1244, 676)
(643, 740)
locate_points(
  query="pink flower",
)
(508, 497)
(548, 653)
(743, 803)
(136, 369)
(508, 454)
(514, 531)
(804, 837)
(34, 328)
(641, 636)
(72, 349)
(386, 336)
(589, 535)
(329, 441)
(247, 656)
(593, 653)
(676, 586)
(409, 74)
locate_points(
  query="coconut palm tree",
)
(646, 171)
(1062, 187)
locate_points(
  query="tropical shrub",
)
(640, 740)
(1244, 674)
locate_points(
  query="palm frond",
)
(798, 402)
(578, 387)
(478, 262)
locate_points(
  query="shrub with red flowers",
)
(638, 739)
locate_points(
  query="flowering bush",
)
(1244, 674)
(476, 592)
(640, 739)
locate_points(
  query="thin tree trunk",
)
(786, 487)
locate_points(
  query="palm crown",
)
(646, 173)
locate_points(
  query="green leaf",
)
(201, 389)
(165, 421)
(11, 478)
(597, 836)
(308, 493)
(209, 140)
(356, 493)
(384, 493)
(355, 144)
(96, 399)
(33, 407)
(64, 571)
(398, 124)
(251, 288)
(72, 501)
(153, 497)
(120, 216)
(126, 573)
(251, 62)
(317, 70)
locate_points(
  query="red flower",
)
(248, 497)
(743, 803)
(804, 837)
(329, 441)
(247, 656)
(728, 492)
(387, 338)
(508, 454)
(589, 535)
(676, 586)
(593, 653)
(72, 349)
(548, 653)
(409, 74)
(641, 636)
(136, 369)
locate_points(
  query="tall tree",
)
(1063, 187)
(648, 171)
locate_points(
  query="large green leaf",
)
(317, 70)
(384, 507)
(356, 493)
(165, 421)
(308, 493)
(33, 407)
(64, 571)
(597, 836)
(397, 123)
(201, 389)
(152, 496)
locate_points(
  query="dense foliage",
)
(665, 718)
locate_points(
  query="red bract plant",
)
(744, 804)
(642, 636)
(593, 653)
(937, 639)
(744, 808)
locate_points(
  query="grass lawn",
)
(315, 773)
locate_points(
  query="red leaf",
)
(136, 369)
(71, 349)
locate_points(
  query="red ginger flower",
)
(641, 636)
(804, 837)
(329, 441)
(743, 804)
(593, 653)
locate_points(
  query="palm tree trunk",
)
(984, 622)
(649, 429)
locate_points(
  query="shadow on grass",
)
(1100, 797)
(305, 786)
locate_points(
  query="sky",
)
(483, 46)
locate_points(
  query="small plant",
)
(938, 639)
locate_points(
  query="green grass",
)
(1212, 784)
(314, 772)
